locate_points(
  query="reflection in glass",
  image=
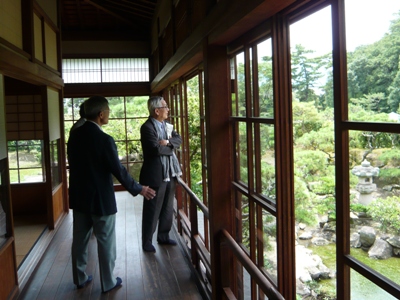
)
(314, 152)
(373, 60)
(375, 200)
(55, 163)
(362, 288)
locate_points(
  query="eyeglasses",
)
(166, 107)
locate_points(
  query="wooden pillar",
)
(284, 160)
(219, 163)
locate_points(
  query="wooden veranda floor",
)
(161, 275)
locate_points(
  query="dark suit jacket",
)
(151, 173)
(93, 159)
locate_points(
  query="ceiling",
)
(106, 19)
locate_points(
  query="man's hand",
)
(147, 192)
(164, 142)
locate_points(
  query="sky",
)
(366, 22)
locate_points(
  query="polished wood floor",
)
(162, 275)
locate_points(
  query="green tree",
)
(304, 74)
(373, 69)
(305, 118)
(193, 106)
(265, 87)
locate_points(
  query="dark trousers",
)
(159, 210)
(104, 230)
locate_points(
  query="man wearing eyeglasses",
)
(159, 171)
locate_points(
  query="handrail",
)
(255, 273)
(193, 196)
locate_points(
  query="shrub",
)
(387, 212)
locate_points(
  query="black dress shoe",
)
(168, 242)
(119, 282)
(88, 280)
(149, 248)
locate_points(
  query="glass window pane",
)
(268, 240)
(133, 128)
(241, 152)
(313, 148)
(116, 128)
(68, 112)
(238, 80)
(31, 175)
(373, 60)
(265, 80)
(137, 107)
(123, 157)
(55, 163)
(375, 200)
(14, 176)
(135, 151)
(362, 288)
(267, 148)
(134, 169)
(117, 107)
(76, 108)
(77, 70)
(244, 208)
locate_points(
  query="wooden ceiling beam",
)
(134, 9)
(129, 22)
(79, 13)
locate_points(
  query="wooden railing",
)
(268, 288)
(226, 240)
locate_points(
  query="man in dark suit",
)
(93, 159)
(159, 171)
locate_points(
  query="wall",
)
(3, 144)
(53, 114)
(10, 22)
(50, 8)
(163, 15)
(51, 46)
(38, 41)
(104, 48)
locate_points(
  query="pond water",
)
(361, 287)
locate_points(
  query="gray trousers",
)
(104, 230)
(159, 210)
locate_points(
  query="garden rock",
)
(302, 289)
(380, 250)
(306, 235)
(394, 241)
(367, 236)
(355, 240)
(319, 241)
